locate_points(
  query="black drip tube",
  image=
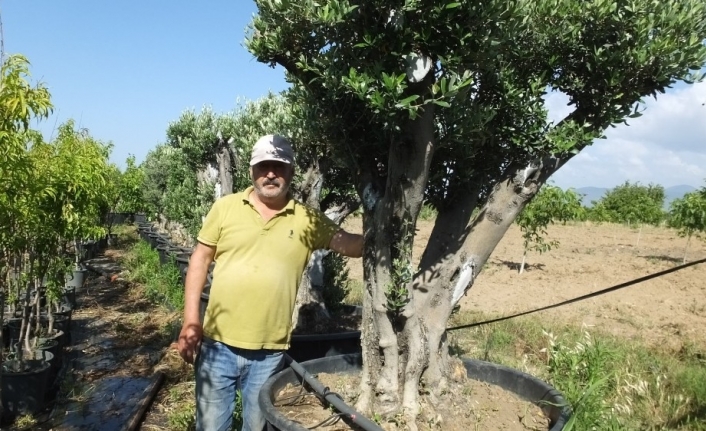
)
(332, 397)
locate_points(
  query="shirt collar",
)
(287, 208)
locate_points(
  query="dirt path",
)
(117, 338)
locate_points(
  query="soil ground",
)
(669, 311)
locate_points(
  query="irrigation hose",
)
(332, 398)
(148, 397)
(581, 298)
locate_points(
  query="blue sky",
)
(124, 70)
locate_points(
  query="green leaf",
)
(407, 101)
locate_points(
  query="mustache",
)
(272, 182)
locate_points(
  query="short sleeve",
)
(325, 229)
(211, 230)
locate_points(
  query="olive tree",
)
(443, 102)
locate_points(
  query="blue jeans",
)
(221, 370)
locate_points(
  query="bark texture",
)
(403, 348)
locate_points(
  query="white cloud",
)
(666, 146)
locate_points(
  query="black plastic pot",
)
(87, 249)
(183, 264)
(521, 384)
(13, 325)
(51, 347)
(144, 229)
(68, 299)
(61, 322)
(24, 392)
(76, 278)
(60, 336)
(156, 238)
(162, 252)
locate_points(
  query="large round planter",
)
(306, 347)
(24, 392)
(521, 384)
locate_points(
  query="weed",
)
(610, 384)
(696, 308)
(581, 372)
(428, 212)
(25, 421)
(355, 292)
(162, 282)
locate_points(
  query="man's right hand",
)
(190, 341)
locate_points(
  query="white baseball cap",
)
(272, 148)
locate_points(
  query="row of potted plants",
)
(54, 199)
(36, 331)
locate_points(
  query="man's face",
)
(271, 179)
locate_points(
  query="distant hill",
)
(591, 194)
(670, 193)
(676, 192)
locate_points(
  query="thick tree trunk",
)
(394, 340)
(401, 349)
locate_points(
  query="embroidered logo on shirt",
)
(291, 234)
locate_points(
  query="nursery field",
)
(668, 311)
(648, 375)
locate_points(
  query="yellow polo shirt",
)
(258, 269)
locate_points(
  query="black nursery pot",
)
(24, 392)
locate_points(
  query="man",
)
(261, 240)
